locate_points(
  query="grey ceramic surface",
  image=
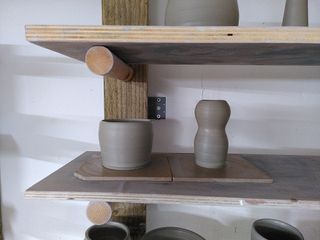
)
(296, 13)
(271, 229)
(125, 144)
(109, 231)
(202, 13)
(211, 141)
(171, 233)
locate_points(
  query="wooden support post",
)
(102, 61)
(126, 99)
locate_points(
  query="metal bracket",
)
(157, 108)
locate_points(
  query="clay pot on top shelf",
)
(211, 141)
(125, 144)
(296, 13)
(202, 13)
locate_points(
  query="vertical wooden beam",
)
(126, 99)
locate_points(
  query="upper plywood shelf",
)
(296, 184)
(185, 45)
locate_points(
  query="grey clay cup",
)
(211, 141)
(271, 229)
(111, 230)
(125, 144)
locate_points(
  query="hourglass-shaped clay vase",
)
(211, 141)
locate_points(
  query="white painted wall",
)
(50, 107)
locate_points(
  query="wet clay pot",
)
(202, 13)
(109, 231)
(125, 144)
(271, 229)
(211, 141)
(296, 13)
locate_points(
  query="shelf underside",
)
(185, 45)
(296, 184)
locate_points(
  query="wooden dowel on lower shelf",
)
(102, 61)
(99, 212)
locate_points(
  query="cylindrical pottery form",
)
(211, 142)
(296, 13)
(202, 13)
(271, 229)
(125, 144)
(109, 231)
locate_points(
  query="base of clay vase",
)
(210, 165)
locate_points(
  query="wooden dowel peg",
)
(102, 61)
(99, 212)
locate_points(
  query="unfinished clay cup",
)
(296, 13)
(109, 231)
(271, 229)
(202, 13)
(211, 141)
(125, 144)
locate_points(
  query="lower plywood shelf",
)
(296, 184)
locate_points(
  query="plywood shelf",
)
(185, 45)
(296, 184)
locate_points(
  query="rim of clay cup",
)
(276, 223)
(110, 224)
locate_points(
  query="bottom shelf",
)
(296, 183)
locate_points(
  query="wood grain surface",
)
(123, 100)
(158, 170)
(186, 45)
(126, 99)
(296, 184)
(237, 170)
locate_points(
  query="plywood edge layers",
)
(152, 34)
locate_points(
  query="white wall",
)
(50, 107)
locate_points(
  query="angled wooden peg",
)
(102, 61)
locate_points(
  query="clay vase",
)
(271, 229)
(211, 141)
(202, 13)
(109, 231)
(125, 144)
(296, 13)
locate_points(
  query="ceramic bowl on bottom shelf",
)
(125, 144)
(109, 231)
(271, 229)
(171, 233)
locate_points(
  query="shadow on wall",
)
(41, 137)
(50, 139)
(33, 145)
(245, 79)
(9, 162)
